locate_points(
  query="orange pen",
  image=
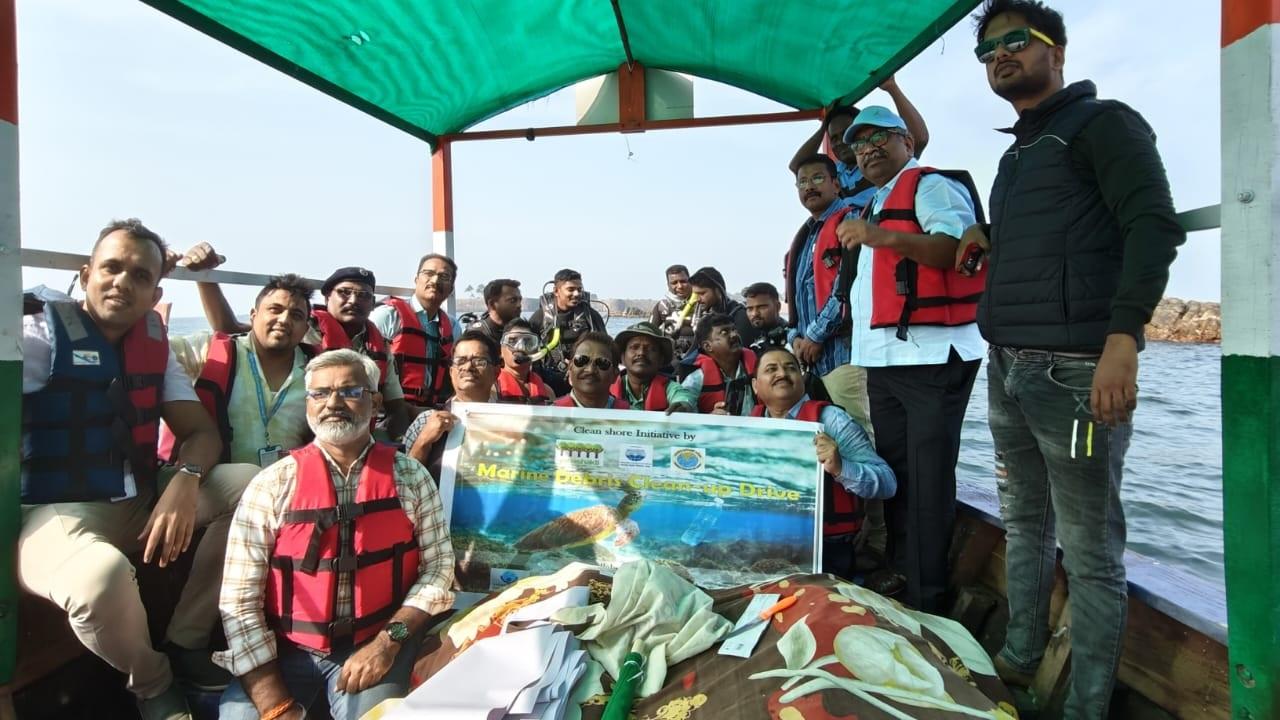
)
(778, 607)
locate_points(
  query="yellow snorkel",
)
(551, 345)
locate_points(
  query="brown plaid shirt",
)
(251, 642)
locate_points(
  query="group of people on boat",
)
(325, 551)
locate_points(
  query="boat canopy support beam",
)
(10, 342)
(1251, 352)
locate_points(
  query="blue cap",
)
(877, 116)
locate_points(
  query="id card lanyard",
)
(264, 414)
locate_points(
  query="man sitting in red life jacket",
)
(252, 384)
(343, 322)
(472, 371)
(722, 369)
(914, 330)
(645, 353)
(852, 470)
(593, 366)
(421, 334)
(338, 556)
(97, 378)
(517, 383)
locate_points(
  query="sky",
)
(124, 112)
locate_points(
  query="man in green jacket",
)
(1081, 238)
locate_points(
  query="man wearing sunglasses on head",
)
(517, 382)
(1078, 251)
(912, 318)
(473, 370)
(593, 366)
(337, 558)
(421, 337)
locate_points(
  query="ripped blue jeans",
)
(1058, 474)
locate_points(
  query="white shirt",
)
(37, 363)
(942, 206)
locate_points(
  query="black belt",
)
(1048, 355)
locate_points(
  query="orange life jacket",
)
(905, 293)
(511, 391)
(423, 377)
(334, 337)
(380, 556)
(714, 386)
(841, 509)
(655, 398)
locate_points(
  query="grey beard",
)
(338, 432)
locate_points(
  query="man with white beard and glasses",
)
(306, 603)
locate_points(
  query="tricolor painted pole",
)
(442, 215)
(10, 341)
(1251, 351)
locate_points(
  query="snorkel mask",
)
(524, 346)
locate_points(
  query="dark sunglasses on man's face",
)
(602, 364)
(1014, 41)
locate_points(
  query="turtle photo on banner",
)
(722, 500)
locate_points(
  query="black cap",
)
(355, 274)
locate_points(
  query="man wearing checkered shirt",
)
(337, 557)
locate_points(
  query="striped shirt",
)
(251, 643)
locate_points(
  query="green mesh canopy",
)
(431, 67)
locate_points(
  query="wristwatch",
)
(397, 631)
(192, 470)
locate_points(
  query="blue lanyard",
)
(262, 397)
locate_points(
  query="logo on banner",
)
(688, 459)
(572, 453)
(635, 456)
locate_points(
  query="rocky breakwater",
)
(1192, 321)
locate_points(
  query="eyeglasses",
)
(815, 181)
(602, 364)
(1013, 41)
(348, 293)
(355, 392)
(478, 362)
(432, 276)
(875, 139)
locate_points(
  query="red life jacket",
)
(213, 387)
(841, 509)
(334, 337)
(827, 251)
(714, 387)
(903, 292)
(567, 401)
(381, 554)
(655, 398)
(422, 377)
(511, 391)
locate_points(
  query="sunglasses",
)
(355, 392)
(875, 139)
(479, 362)
(1013, 41)
(815, 181)
(348, 293)
(602, 364)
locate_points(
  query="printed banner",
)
(723, 500)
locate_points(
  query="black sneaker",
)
(168, 705)
(195, 668)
